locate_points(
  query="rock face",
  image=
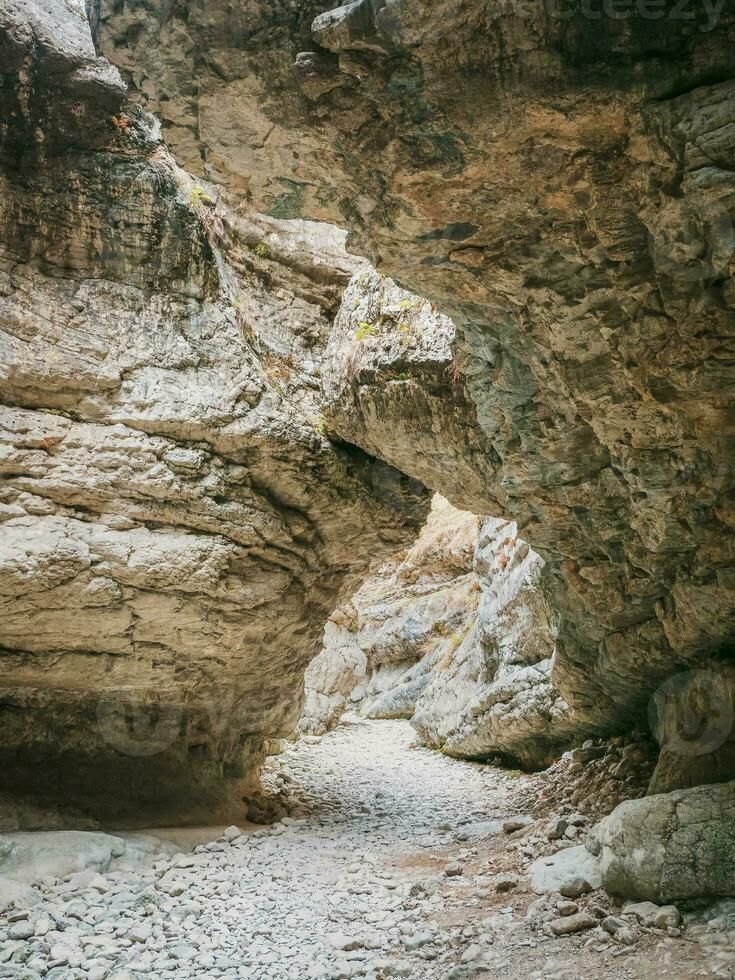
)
(559, 183)
(670, 846)
(492, 693)
(381, 647)
(456, 634)
(176, 527)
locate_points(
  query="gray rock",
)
(569, 924)
(687, 838)
(21, 930)
(344, 942)
(572, 872)
(657, 916)
(16, 893)
(506, 882)
(516, 823)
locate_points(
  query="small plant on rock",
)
(199, 196)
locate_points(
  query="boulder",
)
(693, 718)
(29, 858)
(670, 847)
(14, 892)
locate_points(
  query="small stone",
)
(59, 954)
(425, 887)
(140, 932)
(184, 952)
(454, 869)
(472, 952)
(19, 915)
(569, 924)
(612, 924)
(555, 828)
(21, 930)
(513, 824)
(567, 908)
(418, 940)
(654, 916)
(575, 887)
(398, 968)
(340, 940)
(506, 882)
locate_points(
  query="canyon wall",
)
(558, 181)
(456, 634)
(208, 406)
(175, 526)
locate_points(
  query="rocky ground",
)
(394, 861)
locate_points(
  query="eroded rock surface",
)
(670, 846)
(456, 634)
(561, 186)
(492, 693)
(380, 648)
(176, 527)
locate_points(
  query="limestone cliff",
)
(176, 527)
(381, 647)
(560, 184)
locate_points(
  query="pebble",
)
(516, 823)
(568, 924)
(21, 930)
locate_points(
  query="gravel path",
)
(389, 871)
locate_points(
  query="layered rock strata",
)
(559, 182)
(176, 527)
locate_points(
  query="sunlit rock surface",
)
(456, 634)
(381, 646)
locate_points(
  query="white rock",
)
(572, 872)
